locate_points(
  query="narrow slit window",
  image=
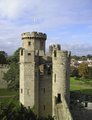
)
(54, 77)
(86, 104)
(29, 43)
(21, 51)
(55, 54)
(21, 90)
(29, 53)
(28, 93)
(44, 90)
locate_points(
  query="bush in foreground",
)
(12, 112)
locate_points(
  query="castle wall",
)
(3, 69)
(45, 92)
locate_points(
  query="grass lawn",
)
(7, 96)
(7, 92)
(83, 86)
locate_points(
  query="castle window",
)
(28, 91)
(59, 98)
(44, 90)
(44, 107)
(21, 90)
(29, 53)
(55, 54)
(21, 51)
(29, 43)
(86, 104)
(54, 77)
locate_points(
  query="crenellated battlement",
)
(38, 35)
(65, 53)
(4, 66)
(25, 35)
(55, 46)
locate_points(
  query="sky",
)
(66, 22)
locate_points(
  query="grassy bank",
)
(7, 96)
(83, 86)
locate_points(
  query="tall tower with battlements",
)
(33, 46)
(60, 79)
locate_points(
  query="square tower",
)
(33, 46)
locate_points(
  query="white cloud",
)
(18, 16)
(11, 8)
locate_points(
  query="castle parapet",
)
(65, 53)
(31, 35)
(4, 66)
(56, 46)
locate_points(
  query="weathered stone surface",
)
(3, 69)
(43, 79)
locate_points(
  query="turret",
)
(60, 81)
(34, 41)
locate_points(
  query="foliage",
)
(83, 70)
(75, 57)
(3, 59)
(46, 118)
(89, 56)
(12, 112)
(90, 72)
(4, 53)
(74, 72)
(14, 57)
(12, 75)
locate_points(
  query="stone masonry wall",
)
(3, 69)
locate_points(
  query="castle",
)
(44, 78)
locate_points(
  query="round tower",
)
(60, 80)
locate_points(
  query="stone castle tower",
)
(44, 79)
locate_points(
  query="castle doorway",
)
(58, 98)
